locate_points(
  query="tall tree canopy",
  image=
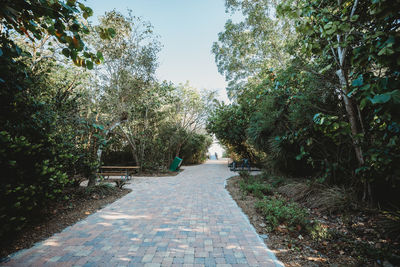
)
(317, 86)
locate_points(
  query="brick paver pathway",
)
(185, 220)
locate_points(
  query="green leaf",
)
(359, 81)
(351, 93)
(385, 51)
(331, 31)
(19, 51)
(111, 32)
(66, 52)
(396, 96)
(99, 56)
(328, 25)
(381, 98)
(89, 64)
(354, 18)
(365, 87)
(325, 69)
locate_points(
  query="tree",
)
(247, 50)
(189, 110)
(38, 154)
(359, 39)
(38, 20)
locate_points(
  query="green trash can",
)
(175, 164)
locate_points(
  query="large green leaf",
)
(381, 98)
(359, 81)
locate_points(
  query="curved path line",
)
(184, 220)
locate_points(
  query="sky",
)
(187, 30)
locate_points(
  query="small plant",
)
(102, 189)
(254, 185)
(278, 211)
(257, 189)
(320, 232)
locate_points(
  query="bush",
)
(277, 211)
(194, 151)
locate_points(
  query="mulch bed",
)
(61, 214)
(358, 244)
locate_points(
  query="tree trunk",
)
(352, 116)
(92, 180)
(134, 149)
(92, 177)
(354, 120)
(100, 149)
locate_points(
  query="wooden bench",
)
(242, 165)
(124, 172)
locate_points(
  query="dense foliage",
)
(321, 97)
(56, 118)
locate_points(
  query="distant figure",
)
(216, 155)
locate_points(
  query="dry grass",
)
(298, 191)
(390, 221)
(332, 199)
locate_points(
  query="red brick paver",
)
(185, 220)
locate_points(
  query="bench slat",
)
(112, 173)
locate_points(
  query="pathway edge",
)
(271, 254)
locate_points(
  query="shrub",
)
(277, 211)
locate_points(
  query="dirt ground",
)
(295, 249)
(60, 215)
